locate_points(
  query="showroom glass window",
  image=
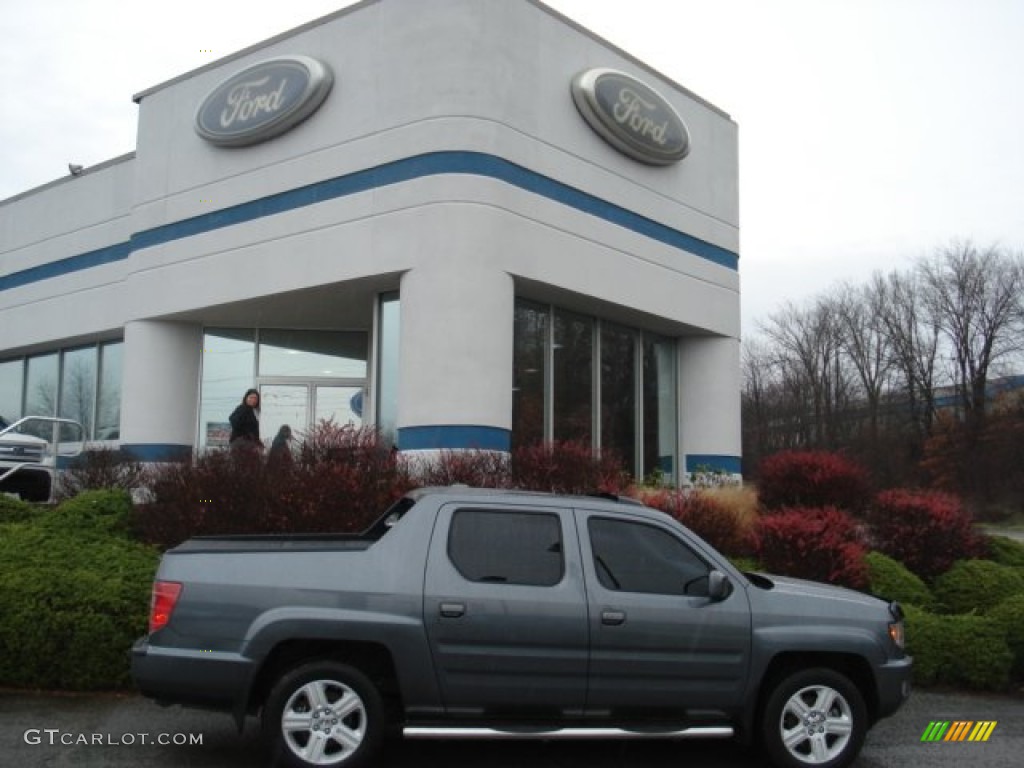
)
(573, 369)
(70, 383)
(229, 369)
(618, 393)
(108, 405)
(529, 373)
(12, 376)
(300, 367)
(42, 382)
(389, 328)
(312, 354)
(78, 389)
(659, 406)
(583, 378)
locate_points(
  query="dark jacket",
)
(244, 424)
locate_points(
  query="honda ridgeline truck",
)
(507, 614)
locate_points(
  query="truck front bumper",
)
(894, 684)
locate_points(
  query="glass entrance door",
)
(344, 404)
(302, 404)
(280, 405)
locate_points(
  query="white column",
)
(455, 380)
(160, 389)
(709, 403)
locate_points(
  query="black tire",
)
(324, 714)
(815, 717)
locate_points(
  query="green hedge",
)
(890, 579)
(1006, 551)
(977, 585)
(967, 651)
(14, 510)
(1009, 614)
(74, 595)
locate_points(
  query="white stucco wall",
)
(486, 80)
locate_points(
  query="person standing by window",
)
(280, 450)
(245, 422)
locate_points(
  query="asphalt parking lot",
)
(108, 731)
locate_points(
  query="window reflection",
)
(41, 382)
(618, 393)
(41, 385)
(340, 355)
(108, 408)
(659, 407)
(529, 369)
(282, 362)
(636, 417)
(11, 376)
(82, 384)
(78, 390)
(229, 362)
(573, 376)
(389, 331)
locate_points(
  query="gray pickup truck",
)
(497, 614)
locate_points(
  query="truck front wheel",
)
(815, 717)
(324, 714)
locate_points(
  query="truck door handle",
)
(613, 618)
(452, 610)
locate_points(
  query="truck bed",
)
(312, 542)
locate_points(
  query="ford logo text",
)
(263, 101)
(631, 116)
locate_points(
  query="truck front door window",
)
(633, 557)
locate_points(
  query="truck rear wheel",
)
(324, 714)
(815, 717)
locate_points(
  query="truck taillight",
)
(165, 595)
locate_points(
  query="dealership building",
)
(471, 223)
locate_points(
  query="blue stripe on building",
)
(453, 436)
(420, 166)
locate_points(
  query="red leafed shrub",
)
(342, 479)
(822, 544)
(347, 476)
(722, 526)
(567, 467)
(925, 530)
(812, 479)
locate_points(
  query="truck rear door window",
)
(507, 547)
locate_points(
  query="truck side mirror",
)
(719, 586)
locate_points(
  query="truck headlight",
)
(896, 628)
(896, 634)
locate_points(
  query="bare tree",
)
(866, 345)
(759, 401)
(913, 340)
(807, 345)
(976, 299)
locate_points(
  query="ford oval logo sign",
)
(631, 116)
(263, 101)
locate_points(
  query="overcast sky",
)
(871, 131)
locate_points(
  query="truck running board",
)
(566, 734)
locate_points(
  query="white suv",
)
(16, 450)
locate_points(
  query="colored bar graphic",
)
(959, 730)
(982, 730)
